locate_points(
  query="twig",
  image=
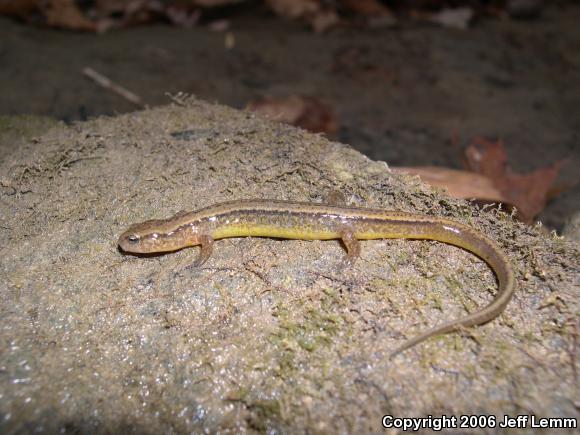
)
(107, 83)
(180, 98)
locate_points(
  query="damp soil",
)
(412, 95)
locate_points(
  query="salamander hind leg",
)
(352, 248)
(206, 243)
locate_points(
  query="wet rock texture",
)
(268, 335)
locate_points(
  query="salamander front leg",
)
(206, 244)
(352, 248)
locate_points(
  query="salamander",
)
(313, 221)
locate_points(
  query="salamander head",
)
(157, 236)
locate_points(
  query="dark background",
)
(411, 93)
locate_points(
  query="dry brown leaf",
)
(366, 7)
(323, 20)
(374, 11)
(459, 184)
(303, 111)
(458, 18)
(58, 13)
(529, 192)
(66, 14)
(312, 11)
(294, 8)
(107, 14)
(183, 17)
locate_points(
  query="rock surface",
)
(267, 335)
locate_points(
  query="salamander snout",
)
(131, 242)
(142, 238)
(157, 236)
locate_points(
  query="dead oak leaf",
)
(66, 14)
(457, 183)
(527, 192)
(315, 12)
(376, 13)
(306, 112)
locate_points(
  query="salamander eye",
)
(133, 238)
